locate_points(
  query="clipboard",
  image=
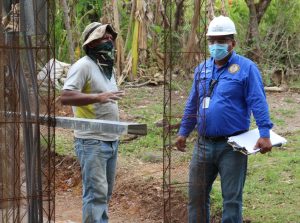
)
(245, 142)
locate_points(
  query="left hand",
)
(264, 144)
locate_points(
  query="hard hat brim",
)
(220, 33)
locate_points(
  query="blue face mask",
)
(218, 51)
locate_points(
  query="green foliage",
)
(279, 31)
(60, 34)
(125, 20)
(81, 13)
(239, 13)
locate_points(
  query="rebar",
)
(27, 166)
(174, 61)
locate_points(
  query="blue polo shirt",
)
(238, 92)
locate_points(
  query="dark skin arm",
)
(76, 98)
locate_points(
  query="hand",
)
(264, 144)
(181, 143)
(109, 96)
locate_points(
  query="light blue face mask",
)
(218, 51)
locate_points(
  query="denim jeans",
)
(98, 161)
(210, 158)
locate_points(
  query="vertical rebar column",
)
(167, 143)
(27, 178)
(44, 45)
(184, 48)
(2, 192)
(10, 125)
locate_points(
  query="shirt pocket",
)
(203, 81)
(230, 88)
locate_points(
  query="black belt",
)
(221, 138)
(215, 138)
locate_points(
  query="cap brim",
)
(99, 32)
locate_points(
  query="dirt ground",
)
(138, 195)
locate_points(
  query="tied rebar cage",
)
(178, 65)
(26, 148)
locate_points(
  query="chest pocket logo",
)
(234, 68)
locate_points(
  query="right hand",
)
(181, 143)
(106, 97)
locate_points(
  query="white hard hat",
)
(221, 26)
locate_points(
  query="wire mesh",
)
(26, 148)
(178, 72)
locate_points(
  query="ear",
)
(233, 43)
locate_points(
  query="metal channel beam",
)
(110, 127)
(103, 126)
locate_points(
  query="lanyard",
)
(213, 81)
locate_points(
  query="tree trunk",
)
(178, 14)
(68, 28)
(119, 41)
(223, 9)
(256, 12)
(156, 22)
(261, 8)
(191, 46)
(2, 133)
(210, 9)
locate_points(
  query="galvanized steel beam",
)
(103, 126)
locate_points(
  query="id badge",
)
(206, 101)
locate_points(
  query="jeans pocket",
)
(91, 142)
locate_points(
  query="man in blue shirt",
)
(226, 89)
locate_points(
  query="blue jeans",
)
(210, 158)
(98, 161)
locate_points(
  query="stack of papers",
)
(245, 142)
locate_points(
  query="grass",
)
(280, 115)
(276, 120)
(64, 145)
(295, 84)
(145, 109)
(289, 100)
(272, 188)
(286, 112)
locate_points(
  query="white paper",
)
(245, 142)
